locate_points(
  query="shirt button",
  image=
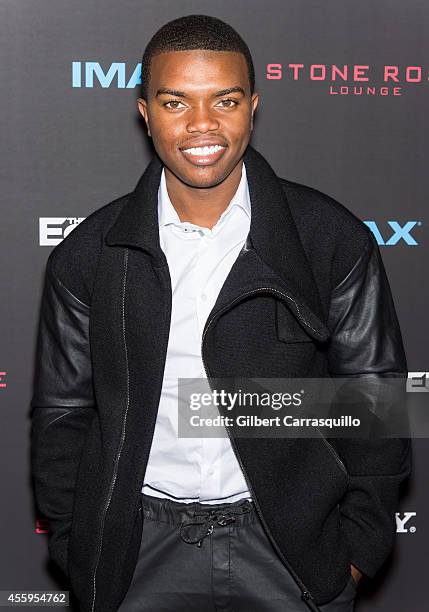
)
(210, 472)
(204, 296)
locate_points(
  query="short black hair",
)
(194, 32)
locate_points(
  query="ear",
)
(142, 106)
(254, 103)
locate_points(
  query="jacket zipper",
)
(121, 444)
(115, 469)
(305, 593)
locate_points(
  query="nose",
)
(202, 120)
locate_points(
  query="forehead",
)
(198, 70)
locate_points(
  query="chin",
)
(195, 180)
(202, 183)
(204, 178)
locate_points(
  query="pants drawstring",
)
(201, 525)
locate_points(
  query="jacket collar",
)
(273, 233)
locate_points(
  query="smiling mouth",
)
(204, 156)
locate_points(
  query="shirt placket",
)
(205, 298)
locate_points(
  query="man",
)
(212, 266)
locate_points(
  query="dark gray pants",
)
(191, 561)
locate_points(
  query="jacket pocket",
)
(288, 328)
(334, 453)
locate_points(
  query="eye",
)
(172, 102)
(234, 102)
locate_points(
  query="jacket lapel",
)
(274, 234)
(137, 223)
(273, 256)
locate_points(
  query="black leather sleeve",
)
(366, 347)
(62, 407)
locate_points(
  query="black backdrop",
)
(73, 141)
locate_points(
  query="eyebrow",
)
(182, 94)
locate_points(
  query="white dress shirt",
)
(194, 469)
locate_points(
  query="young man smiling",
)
(212, 266)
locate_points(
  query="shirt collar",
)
(168, 214)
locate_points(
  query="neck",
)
(202, 206)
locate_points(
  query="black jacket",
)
(307, 297)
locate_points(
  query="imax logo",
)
(52, 230)
(418, 382)
(402, 522)
(83, 74)
(400, 232)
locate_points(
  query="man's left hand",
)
(357, 575)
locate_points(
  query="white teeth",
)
(199, 151)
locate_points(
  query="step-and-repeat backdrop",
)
(344, 91)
